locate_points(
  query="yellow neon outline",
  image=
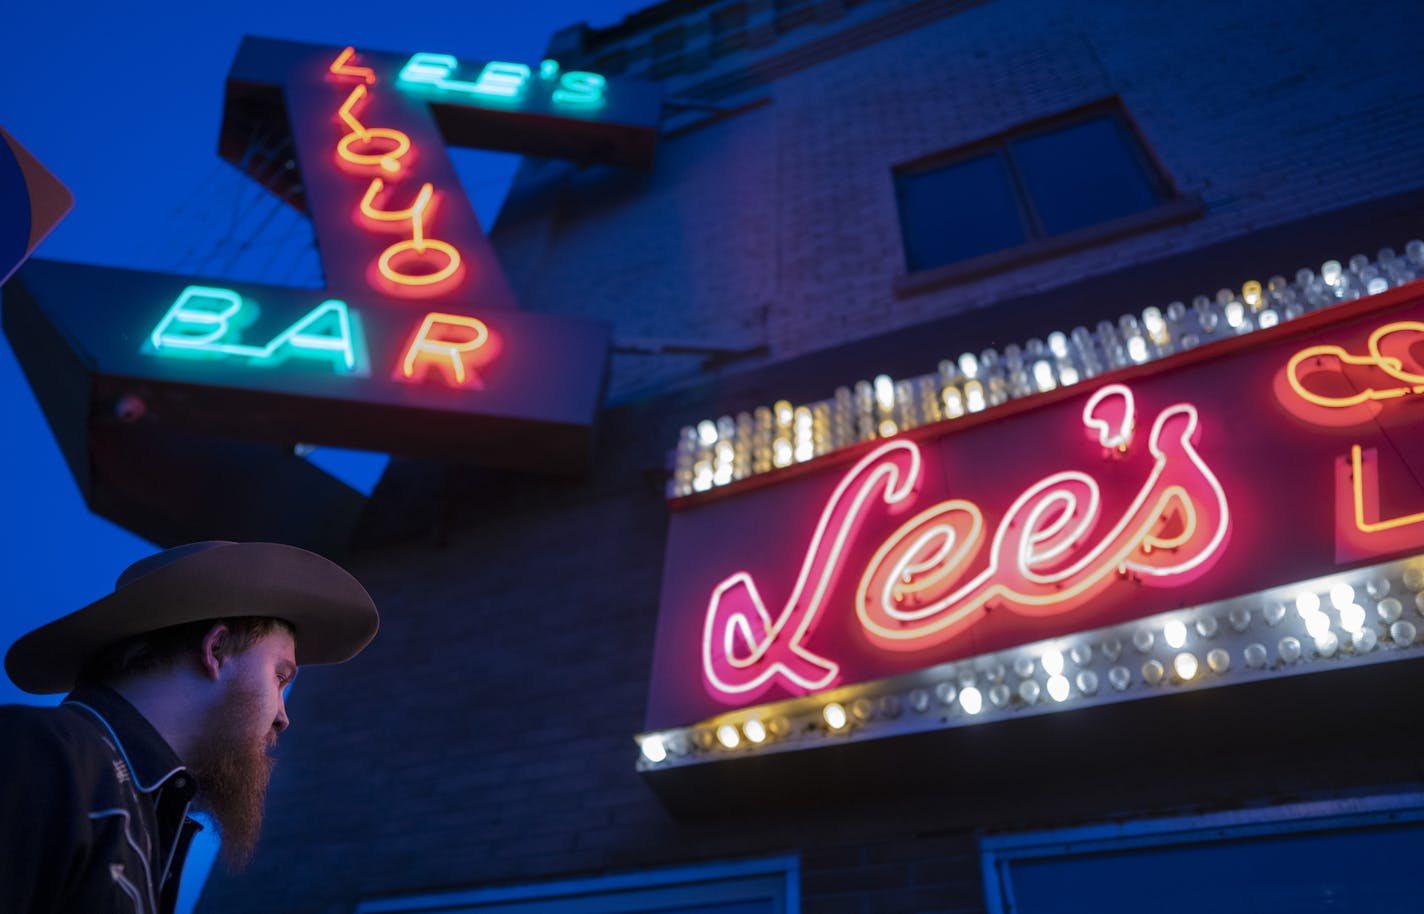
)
(387, 161)
(1390, 365)
(1091, 569)
(419, 245)
(1394, 523)
(422, 345)
(339, 68)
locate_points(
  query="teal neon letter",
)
(580, 89)
(431, 69)
(198, 320)
(502, 80)
(303, 338)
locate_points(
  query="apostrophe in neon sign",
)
(503, 82)
(916, 591)
(208, 322)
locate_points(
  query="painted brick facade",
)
(484, 738)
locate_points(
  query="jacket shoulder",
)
(42, 736)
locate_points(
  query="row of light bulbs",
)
(1284, 631)
(719, 452)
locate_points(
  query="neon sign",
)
(1207, 477)
(1329, 386)
(205, 320)
(1043, 559)
(499, 81)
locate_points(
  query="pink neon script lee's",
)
(1043, 559)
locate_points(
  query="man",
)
(177, 680)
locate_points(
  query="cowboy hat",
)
(331, 613)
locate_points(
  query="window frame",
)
(776, 879)
(1172, 207)
(999, 852)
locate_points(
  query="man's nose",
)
(281, 722)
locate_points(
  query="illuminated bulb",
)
(1318, 625)
(1052, 662)
(971, 701)
(1308, 604)
(1268, 319)
(754, 730)
(1058, 688)
(1137, 349)
(654, 750)
(1377, 285)
(1156, 327)
(887, 429)
(884, 392)
(969, 365)
(707, 431)
(783, 412)
(728, 736)
(835, 715)
(1235, 314)
(1364, 640)
(1352, 617)
(1330, 272)
(953, 403)
(781, 453)
(1327, 644)
(1043, 376)
(1175, 634)
(1067, 374)
(1058, 344)
(974, 396)
(1251, 293)
(1342, 595)
(1185, 666)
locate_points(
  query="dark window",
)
(729, 28)
(1035, 182)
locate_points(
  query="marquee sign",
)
(415, 345)
(1251, 464)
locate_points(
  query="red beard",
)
(233, 769)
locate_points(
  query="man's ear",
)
(217, 647)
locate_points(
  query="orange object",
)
(449, 354)
(339, 67)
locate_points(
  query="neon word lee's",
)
(500, 82)
(916, 591)
(208, 322)
(1386, 373)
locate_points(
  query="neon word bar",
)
(502, 82)
(208, 322)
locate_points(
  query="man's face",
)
(231, 758)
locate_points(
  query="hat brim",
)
(330, 612)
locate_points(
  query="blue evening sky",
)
(122, 102)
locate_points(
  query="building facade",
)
(843, 191)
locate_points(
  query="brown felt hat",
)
(331, 613)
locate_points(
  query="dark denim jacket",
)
(93, 809)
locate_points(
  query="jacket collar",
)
(150, 759)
